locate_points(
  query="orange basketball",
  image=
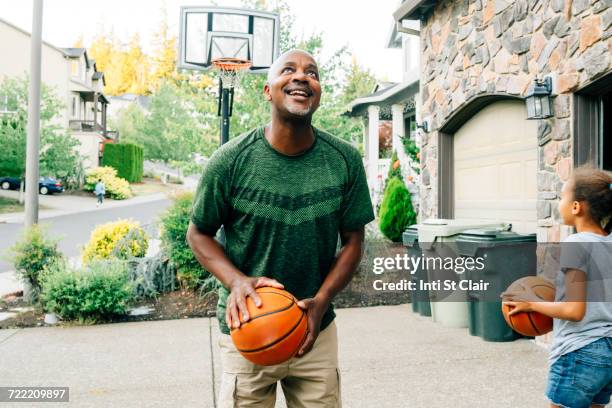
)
(275, 331)
(531, 323)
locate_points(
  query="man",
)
(283, 192)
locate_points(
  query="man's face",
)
(293, 85)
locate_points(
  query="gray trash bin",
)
(419, 298)
(437, 240)
(508, 257)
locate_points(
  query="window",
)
(74, 68)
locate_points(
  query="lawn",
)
(9, 205)
(152, 186)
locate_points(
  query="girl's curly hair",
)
(594, 186)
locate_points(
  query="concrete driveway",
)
(389, 357)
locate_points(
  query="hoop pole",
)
(225, 104)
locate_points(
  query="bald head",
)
(275, 69)
(293, 86)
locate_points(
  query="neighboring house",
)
(481, 157)
(395, 102)
(120, 102)
(76, 82)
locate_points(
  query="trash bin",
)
(418, 298)
(508, 256)
(437, 240)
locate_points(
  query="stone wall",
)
(474, 47)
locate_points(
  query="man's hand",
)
(236, 301)
(314, 308)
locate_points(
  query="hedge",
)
(126, 158)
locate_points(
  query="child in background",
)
(99, 191)
(580, 373)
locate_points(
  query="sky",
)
(362, 25)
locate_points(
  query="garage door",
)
(495, 166)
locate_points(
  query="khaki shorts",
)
(310, 381)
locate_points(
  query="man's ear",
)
(267, 92)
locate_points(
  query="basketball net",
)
(230, 70)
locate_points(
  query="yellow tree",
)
(164, 56)
(135, 71)
(106, 50)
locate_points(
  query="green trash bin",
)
(437, 238)
(419, 298)
(508, 256)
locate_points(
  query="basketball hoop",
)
(230, 71)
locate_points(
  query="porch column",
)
(104, 105)
(397, 111)
(373, 129)
(95, 110)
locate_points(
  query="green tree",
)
(181, 121)
(128, 122)
(396, 211)
(58, 155)
(342, 80)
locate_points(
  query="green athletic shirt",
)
(282, 214)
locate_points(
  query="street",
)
(74, 229)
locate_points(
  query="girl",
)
(580, 373)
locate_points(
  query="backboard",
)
(208, 33)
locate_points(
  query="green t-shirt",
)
(282, 214)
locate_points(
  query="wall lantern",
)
(539, 103)
(423, 125)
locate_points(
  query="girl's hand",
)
(518, 307)
(525, 295)
(520, 301)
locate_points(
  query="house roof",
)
(142, 100)
(76, 53)
(413, 10)
(384, 97)
(21, 30)
(97, 75)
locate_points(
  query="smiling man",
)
(284, 193)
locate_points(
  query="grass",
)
(152, 186)
(9, 205)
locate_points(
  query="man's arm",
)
(338, 277)
(211, 256)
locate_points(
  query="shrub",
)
(396, 212)
(126, 158)
(175, 222)
(98, 291)
(31, 254)
(122, 239)
(152, 275)
(116, 187)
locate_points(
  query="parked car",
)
(46, 185)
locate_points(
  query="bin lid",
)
(470, 241)
(410, 235)
(434, 228)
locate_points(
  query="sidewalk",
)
(59, 204)
(389, 357)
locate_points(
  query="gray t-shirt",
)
(592, 254)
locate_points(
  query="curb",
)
(17, 218)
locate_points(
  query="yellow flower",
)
(121, 239)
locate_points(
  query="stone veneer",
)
(472, 47)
